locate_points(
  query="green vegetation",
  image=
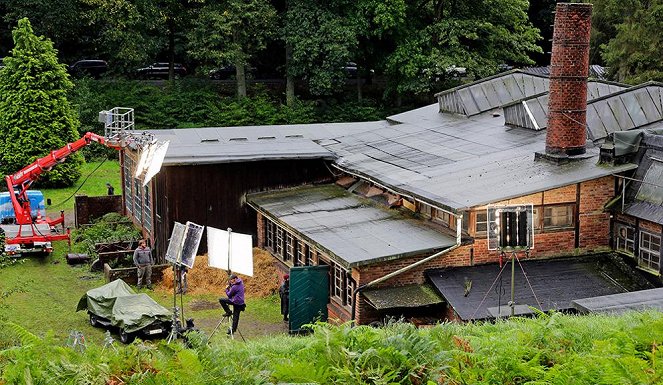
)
(551, 349)
(92, 183)
(35, 115)
(159, 107)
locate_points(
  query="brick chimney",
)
(569, 68)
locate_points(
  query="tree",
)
(35, 115)
(321, 40)
(475, 34)
(130, 33)
(59, 20)
(232, 32)
(633, 54)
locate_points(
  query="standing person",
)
(284, 293)
(143, 261)
(111, 189)
(235, 294)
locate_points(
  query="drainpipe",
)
(459, 230)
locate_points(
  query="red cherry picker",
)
(30, 231)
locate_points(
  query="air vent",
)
(266, 137)
(209, 140)
(294, 136)
(238, 139)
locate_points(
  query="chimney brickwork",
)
(569, 68)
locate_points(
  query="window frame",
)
(651, 254)
(626, 241)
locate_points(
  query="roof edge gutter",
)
(393, 190)
(459, 230)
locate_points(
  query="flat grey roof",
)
(354, 230)
(621, 302)
(555, 282)
(252, 143)
(409, 296)
(460, 162)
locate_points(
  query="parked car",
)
(116, 305)
(89, 67)
(159, 70)
(227, 72)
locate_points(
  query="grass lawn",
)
(41, 294)
(92, 183)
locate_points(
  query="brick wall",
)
(594, 234)
(649, 226)
(594, 223)
(569, 69)
(261, 231)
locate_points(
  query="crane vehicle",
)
(29, 230)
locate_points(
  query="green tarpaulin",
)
(117, 302)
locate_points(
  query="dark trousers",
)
(225, 304)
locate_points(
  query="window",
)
(442, 217)
(624, 238)
(536, 218)
(481, 222)
(337, 283)
(350, 288)
(290, 245)
(279, 242)
(302, 254)
(558, 216)
(147, 208)
(466, 221)
(269, 234)
(649, 256)
(128, 194)
(551, 218)
(309, 255)
(138, 200)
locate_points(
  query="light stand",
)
(175, 326)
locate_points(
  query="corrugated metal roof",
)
(460, 162)
(625, 110)
(490, 93)
(644, 195)
(355, 231)
(555, 282)
(595, 71)
(532, 113)
(252, 143)
(622, 302)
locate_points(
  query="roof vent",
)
(208, 140)
(294, 136)
(238, 139)
(266, 137)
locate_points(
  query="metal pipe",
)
(395, 273)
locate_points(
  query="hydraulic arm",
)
(21, 181)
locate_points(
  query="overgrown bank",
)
(201, 103)
(552, 349)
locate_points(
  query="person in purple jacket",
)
(235, 293)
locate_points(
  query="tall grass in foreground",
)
(551, 349)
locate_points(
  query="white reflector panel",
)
(154, 164)
(230, 251)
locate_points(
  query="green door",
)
(309, 294)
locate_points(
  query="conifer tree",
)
(35, 115)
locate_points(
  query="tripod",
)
(226, 318)
(176, 324)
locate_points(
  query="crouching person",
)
(235, 297)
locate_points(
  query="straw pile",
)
(208, 280)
